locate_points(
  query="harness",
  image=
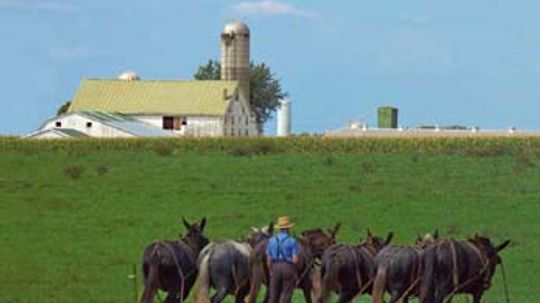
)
(280, 253)
(483, 273)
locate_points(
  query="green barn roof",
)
(204, 98)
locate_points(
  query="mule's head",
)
(428, 239)
(318, 240)
(259, 235)
(377, 243)
(194, 235)
(491, 255)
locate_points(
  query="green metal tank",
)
(387, 117)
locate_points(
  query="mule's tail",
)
(379, 284)
(256, 273)
(427, 275)
(202, 287)
(151, 276)
(328, 277)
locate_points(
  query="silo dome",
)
(129, 76)
(236, 27)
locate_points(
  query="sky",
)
(472, 63)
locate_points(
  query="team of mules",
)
(433, 270)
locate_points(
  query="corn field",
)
(473, 146)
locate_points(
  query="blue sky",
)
(440, 62)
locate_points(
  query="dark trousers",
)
(282, 282)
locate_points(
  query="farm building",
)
(128, 106)
(95, 124)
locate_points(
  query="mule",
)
(171, 265)
(398, 270)
(459, 267)
(312, 243)
(349, 269)
(224, 267)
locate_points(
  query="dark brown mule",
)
(311, 243)
(398, 270)
(349, 269)
(171, 265)
(459, 266)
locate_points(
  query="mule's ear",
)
(271, 228)
(418, 238)
(436, 234)
(335, 230)
(186, 223)
(202, 224)
(502, 246)
(369, 233)
(389, 238)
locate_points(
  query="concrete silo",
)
(235, 55)
(284, 119)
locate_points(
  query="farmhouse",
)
(130, 107)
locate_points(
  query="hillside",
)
(76, 215)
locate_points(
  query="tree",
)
(265, 89)
(64, 108)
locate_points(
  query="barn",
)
(128, 106)
(95, 124)
(182, 107)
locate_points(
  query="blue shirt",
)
(282, 247)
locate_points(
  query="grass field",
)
(75, 221)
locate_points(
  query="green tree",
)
(265, 89)
(64, 108)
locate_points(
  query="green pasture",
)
(74, 221)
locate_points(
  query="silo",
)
(235, 55)
(387, 117)
(284, 118)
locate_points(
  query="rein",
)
(504, 283)
(179, 269)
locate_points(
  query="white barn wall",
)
(238, 120)
(196, 125)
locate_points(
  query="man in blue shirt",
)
(282, 254)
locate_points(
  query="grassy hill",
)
(76, 215)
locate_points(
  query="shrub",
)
(164, 149)
(74, 171)
(103, 170)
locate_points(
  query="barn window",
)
(168, 122)
(88, 124)
(247, 120)
(58, 124)
(232, 120)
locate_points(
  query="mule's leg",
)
(306, 289)
(477, 297)
(395, 295)
(220, 294)
(172, 297)
(346, 296)
(241, 294)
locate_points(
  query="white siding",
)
(197, 126)
(78, 122)
(239, 121)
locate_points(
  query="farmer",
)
(282, 254)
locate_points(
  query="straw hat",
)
(284, 222)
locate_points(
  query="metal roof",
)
(64, 132)
(126, 124)
(205, 98)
